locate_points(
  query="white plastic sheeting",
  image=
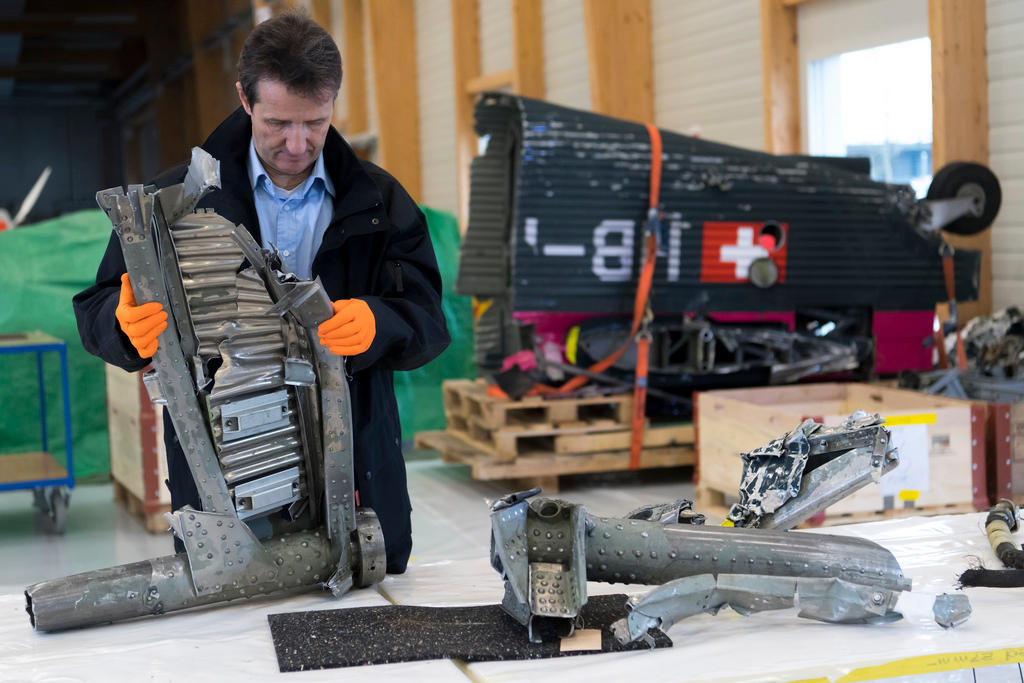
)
(233, 642)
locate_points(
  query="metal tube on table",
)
(300, 561)
(635, 551)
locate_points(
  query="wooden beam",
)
(794, 3)
(320, 12)
(354, 60)
(960, 111)
(620, 58)
(466, 67)
(214, 76)
(528, 48)
(393, 45)
(492, 81)
(781, 76)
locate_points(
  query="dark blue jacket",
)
(376, 248)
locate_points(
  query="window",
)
(875, 103)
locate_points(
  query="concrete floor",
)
(450, 519)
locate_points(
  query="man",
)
(294, 183)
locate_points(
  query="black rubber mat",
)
(328, 639)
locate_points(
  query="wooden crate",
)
(138, 462)
(942, 469)
(1006, 451)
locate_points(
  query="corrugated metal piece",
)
(567, 201)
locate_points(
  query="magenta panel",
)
(898, 337)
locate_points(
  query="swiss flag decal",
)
(730, 248)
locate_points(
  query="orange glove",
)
(143, 324)
(350, 330)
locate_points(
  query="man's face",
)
(288, 130)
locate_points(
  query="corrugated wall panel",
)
(707, 69)
(566, 71)
(437, 103)
(495, 35)
(1006, 142)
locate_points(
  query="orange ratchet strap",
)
(947, 252)
(642, 316)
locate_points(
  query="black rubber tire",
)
(948, 182)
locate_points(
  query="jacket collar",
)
(355, 191)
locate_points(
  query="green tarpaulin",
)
(42, 266)
(419, 392)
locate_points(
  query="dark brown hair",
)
(295, 50)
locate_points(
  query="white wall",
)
(495, 35)
(566, 71)
(1006, 146)
(437, 104)
(707, 69)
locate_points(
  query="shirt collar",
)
(258, 174)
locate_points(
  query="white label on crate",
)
(912, 473)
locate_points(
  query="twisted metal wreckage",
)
(546, 550)
(262, 411)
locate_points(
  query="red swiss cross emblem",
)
(730, 248)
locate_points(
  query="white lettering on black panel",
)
(613, 262)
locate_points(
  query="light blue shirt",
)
(293, 221)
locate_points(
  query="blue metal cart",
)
(50, 482)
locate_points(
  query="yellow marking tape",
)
(572, 339)
(920, 419)
(927, 664)
(728, 522)
(909, 494)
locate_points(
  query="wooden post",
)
(213, 66)
(781, 75)
(620, 58)
(527, 48)
(354, 60)
(466, 67)
(393, 41)
(960, 112)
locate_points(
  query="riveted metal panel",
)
(558, 200)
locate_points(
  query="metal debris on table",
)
(262, 412)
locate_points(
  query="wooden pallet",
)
(716, 504)
(508, 443)
(153, 521)
(545, 468)
(468, 400)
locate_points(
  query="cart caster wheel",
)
(57, 514)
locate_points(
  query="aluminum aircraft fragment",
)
(794, 477)
(557, 205)
(544, 578)
(262, 412)
(951, 609)
(824, 599)
(994, 346)
(692, 354)
(537, 546)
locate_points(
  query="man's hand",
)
(350, 330)
(142, 324)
